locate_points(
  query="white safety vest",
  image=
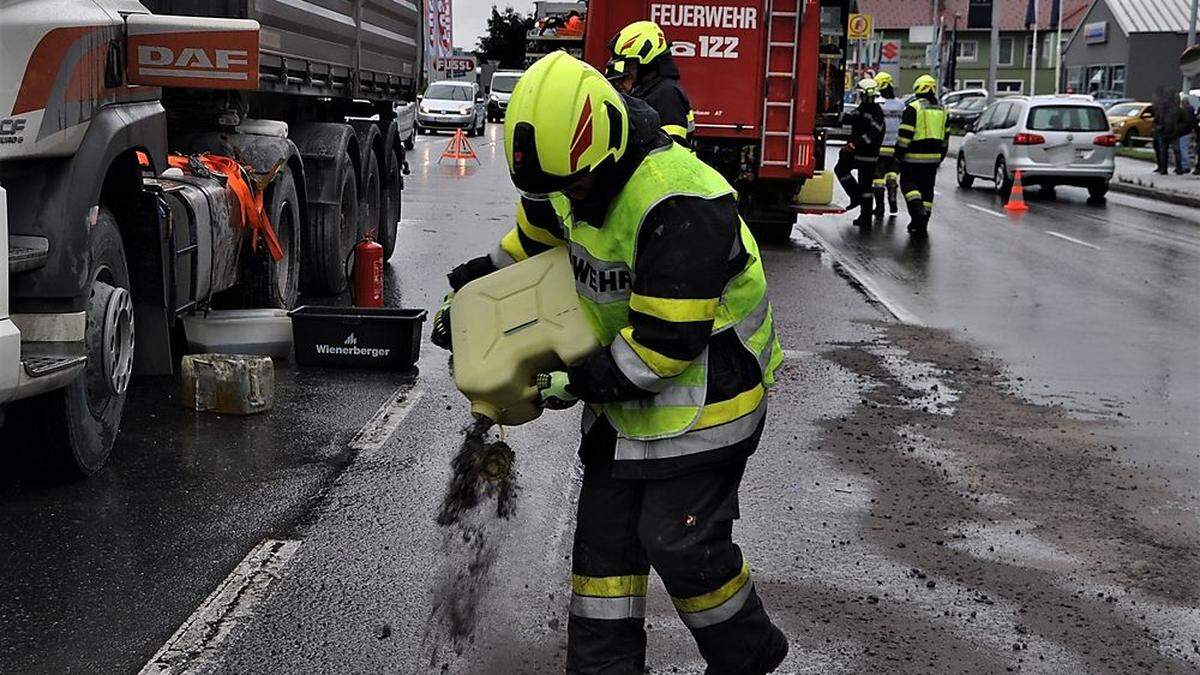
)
(893, 110)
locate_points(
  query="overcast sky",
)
(470, 18)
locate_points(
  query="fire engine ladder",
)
(779, 106)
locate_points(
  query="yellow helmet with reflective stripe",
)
(642, 41)
(884, 79)
(924, 84)
(564, 121)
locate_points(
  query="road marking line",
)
(792, 354)
(864, 280)
(986, 210)
(379, 429)
(193, 648)
(1073, 240)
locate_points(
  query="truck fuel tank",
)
(511, 325)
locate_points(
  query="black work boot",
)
(892, 205)
(879, 202)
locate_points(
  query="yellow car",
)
(1132, 122)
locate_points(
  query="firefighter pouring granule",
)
(920, 148)
(641, 66)
(861, 152)
(672, 282)
(887, 170)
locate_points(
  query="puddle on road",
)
(480, 497)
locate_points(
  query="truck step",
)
(27, 253)
(40, 366)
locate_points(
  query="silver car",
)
(1051, 140)
(452, 104)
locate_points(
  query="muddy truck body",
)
(135, 141)
(765, 79)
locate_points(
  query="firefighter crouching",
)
(861, 152)
(641, 66)
(920, 148)
(887, 170)
(676, 399)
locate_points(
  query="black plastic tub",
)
(385, 338)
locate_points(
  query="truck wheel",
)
(334, 235)
(393, 202)
(370, 200)
(277, 284)
(1097, 191)
(75, 428)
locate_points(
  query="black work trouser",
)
(860, 190)
(682, 527)
(916, 182)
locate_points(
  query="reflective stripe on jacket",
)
(677, 419)
(922, 135)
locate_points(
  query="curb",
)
(1155, 193)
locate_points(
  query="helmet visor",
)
(526, 170)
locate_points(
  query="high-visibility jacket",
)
(680, 415)
(893, 110)
(670, 101)
(922, 134)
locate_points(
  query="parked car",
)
(452, 104)
(503, 83)
(963, 115)
(1132, 122)
(1051, 140)
(1107, 97)
(953, 98)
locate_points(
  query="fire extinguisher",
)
(367, 284)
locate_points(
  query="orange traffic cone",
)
(458, 148)
(1016, 197)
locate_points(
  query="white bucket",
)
(262, 332)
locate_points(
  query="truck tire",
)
(277, 284)
(772, 228)
(393, 200)
(333, 233)
(370, 197)
(74, 428)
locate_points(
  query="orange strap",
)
(251, 200)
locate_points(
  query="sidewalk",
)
(1136, 176)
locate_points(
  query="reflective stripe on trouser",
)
(917, 181)
(683, 526)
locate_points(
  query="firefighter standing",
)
(641, 66)
(676, 398)
(920, 148)
(887, 170)
(861, 152)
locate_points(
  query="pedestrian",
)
(676, 397)
(1185, 130)
(1167, 116)
(920, 148)
(887, 171)
(641, 65)
(861, 152)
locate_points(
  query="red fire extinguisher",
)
(367, 285)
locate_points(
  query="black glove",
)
(441, 324)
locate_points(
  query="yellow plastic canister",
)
(511, 325)
(818, 190)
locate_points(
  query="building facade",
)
(1127, 48)
(969, 23)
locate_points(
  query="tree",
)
(505, 38)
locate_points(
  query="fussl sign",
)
(461, 64)
(859, 26)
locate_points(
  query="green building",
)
(903, 32)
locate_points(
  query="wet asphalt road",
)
(1099, 305)
(905, 512)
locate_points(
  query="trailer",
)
(761, 119)
(163, 158)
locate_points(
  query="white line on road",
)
(387, 419)
(193, 648)
(793, 354)
(1073, 240)
(986, 210)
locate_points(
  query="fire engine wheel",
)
(393, 202)
(73, 429)
(277, 283)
